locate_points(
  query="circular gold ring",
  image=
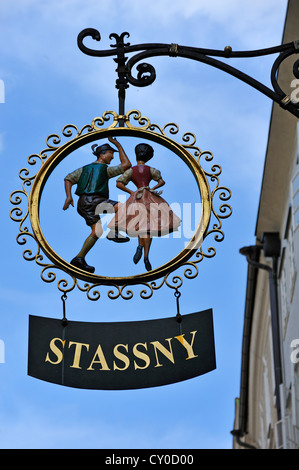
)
(65, 149)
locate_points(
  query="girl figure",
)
(145, 214)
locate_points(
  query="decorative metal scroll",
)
(146, 73)
(26, 201)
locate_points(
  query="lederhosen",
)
(92, 189)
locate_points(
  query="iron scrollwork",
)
(146, 73)
(26, 206)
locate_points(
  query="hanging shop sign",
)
(128, 354)
(212, 197)
(124, 355)
(121, 355)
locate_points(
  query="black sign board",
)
(121, 355)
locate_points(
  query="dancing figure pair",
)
(155, 217)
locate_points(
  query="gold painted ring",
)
(80, 140)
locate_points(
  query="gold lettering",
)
(141, 355)
(102, 359)
(187, 346)
(163, 350)
(56, 351)
(78, 351)
(121, 356)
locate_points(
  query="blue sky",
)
(49, 83)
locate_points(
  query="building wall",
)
(289, 309)
(266, 428)
(267, 417)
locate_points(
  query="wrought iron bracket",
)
(146, 73)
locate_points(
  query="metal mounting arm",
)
(146, 73)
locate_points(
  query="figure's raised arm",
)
(125, 162)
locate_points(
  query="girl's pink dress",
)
(145, 212)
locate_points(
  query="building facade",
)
(267, 410)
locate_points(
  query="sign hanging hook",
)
(64, 319)
(177, 295)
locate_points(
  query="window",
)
(295, 187)
(283, 299)
(287, 277)
(295, 407)
(295, 197)
(292, 410)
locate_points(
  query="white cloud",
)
(42, 35)
(249, 22)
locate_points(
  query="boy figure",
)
(92, 189)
